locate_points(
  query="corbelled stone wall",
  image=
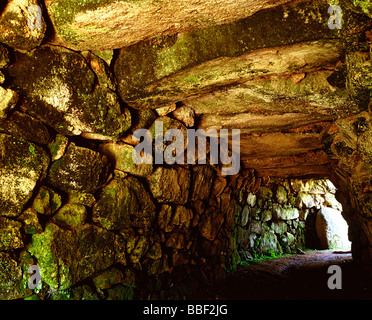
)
(78, 78)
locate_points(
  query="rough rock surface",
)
(22, 166)
(115, 24)
(122, 157)
(332, 229)
(79, 169)
(66, 257)
(124, 203)
(170, 184)
(11, 286)
(22, 25)
(61, 91)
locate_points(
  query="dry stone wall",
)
(74, 203)
(279, 216)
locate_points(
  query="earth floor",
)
(302, 276)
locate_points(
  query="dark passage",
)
(293, 277)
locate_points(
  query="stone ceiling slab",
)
(110, 24)
(206, 77)
(276, 95)
(170, 69)
(278, 144)
(314, 163)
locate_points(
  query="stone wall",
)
(74, 203)
(280, 216)
(348, 140)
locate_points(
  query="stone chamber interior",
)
(78, 78)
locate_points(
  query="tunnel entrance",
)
(285, 216)
(288, 232)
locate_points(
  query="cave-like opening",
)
(286, 216)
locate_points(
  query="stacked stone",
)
(278, 216)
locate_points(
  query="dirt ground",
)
(302, 276)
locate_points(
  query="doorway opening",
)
(288, 216)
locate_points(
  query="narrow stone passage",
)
(293, 277)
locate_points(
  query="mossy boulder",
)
(120, 292)
(10, 234)
(264, 193)
(61, 91)
(71, 214)
(12, 281)
(359, 78)
(47, 201)
(22, 25)
(79, 169)
(361, 6)
(108, 278)
(121, 155)
(22, 166)
(4, 56)
(124, 203)
(30, 221)
(25, 126)
(170, 184)
(66, 257)
(84, 198)
(284, 212)
(8, 100)
(269, 244)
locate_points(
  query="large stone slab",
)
(22, 166)
(22, 25)
(332, 229)
(66, 257)
(278, 144)
(210, 75)
(273, 104)
(154, 74)
(275, 97)
(170, 184)
(11, 278)
(113, 24)
(79, 169)
(124, 203)
(310, 164)
(61, 91)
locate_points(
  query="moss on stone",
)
(124, 203)
(20, 170)
(62, 92)
(141, 65)
(72, 214)
(66, 257)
